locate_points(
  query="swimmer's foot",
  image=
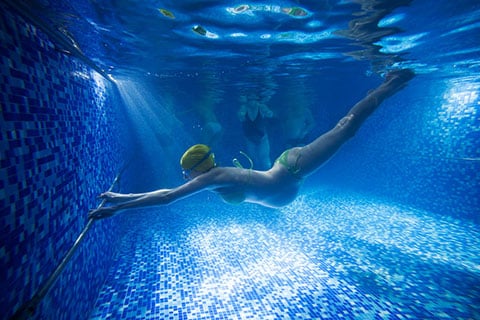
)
(397, 79)
(394, 82)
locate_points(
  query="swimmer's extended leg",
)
(313, 155)
(395, 81)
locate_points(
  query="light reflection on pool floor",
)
(329, 255)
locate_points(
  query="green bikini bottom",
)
(293, 169)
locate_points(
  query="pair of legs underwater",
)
(302, 161)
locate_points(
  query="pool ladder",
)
(28, 309)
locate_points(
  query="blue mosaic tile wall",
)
(59, 148)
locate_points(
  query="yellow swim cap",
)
(198, 158)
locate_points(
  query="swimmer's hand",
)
(101, 213)
(106, 212)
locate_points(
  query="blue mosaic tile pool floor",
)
(327, 256)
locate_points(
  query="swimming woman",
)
(275, 187)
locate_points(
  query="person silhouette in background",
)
(210, 98)
(298, 124)
(253, 115)
(297, 118)
(275, 187)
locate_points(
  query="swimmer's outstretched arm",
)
(157, 197)
(115, 197)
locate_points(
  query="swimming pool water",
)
(346, 256)
(405, 248)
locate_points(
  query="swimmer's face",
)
(190, 174)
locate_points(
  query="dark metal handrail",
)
(28, 308)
